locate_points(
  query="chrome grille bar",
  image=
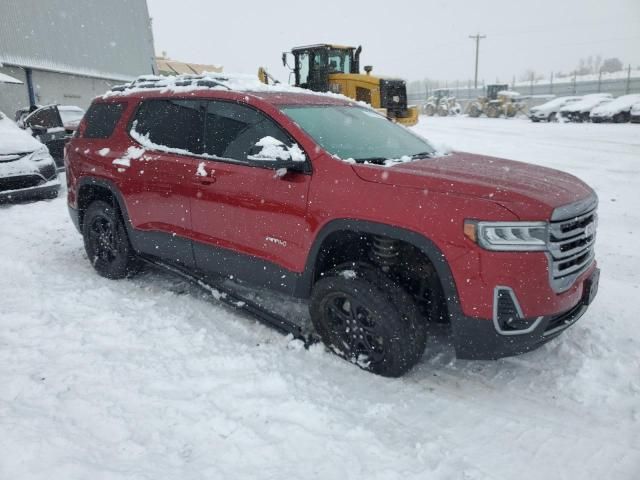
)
(576, 228)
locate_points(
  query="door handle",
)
(207, 180)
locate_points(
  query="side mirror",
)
(285, 63)
(275, 154)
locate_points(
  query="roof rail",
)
(154, 81)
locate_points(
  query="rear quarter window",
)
(101, 119)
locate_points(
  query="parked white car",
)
(579, 111)
(617, 111)
(548, 111)
(27, 170)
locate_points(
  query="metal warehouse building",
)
(67, 52)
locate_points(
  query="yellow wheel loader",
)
(335, 68)
(499, 101)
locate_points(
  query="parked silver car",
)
(27, 170)
(548, 111)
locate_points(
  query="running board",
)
(227, 296)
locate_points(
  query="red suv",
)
(321, 198)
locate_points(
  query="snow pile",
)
(133, 153)
(13, 139)
(143, 139)
(274, 149)
(212, 81)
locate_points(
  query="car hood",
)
(529, 191)
(15, 140)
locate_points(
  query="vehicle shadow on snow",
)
(439, 359)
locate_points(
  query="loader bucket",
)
(411, 119)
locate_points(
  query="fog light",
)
(507, 314)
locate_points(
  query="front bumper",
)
(46, 190)
(481, 339)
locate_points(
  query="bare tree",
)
(610, 65)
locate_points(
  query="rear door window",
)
(232, 130)
(45, 117)
(101, 119)
(173, 125)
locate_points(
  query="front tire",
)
(106, 242)
(365, 318)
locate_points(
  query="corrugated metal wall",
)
(97, 38)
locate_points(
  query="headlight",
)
(508, 236)
(41, 155)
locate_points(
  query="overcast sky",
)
(412, 40)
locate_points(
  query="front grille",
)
(393, 96)
(22, 181)
(48, 171)
(571, 248)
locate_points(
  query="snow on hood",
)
(620, 104)
(15, 140)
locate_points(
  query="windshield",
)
(69, 116)
(358, 133)
(339, 61)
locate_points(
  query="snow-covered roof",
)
(9, 79)
(556, 103)
(213, 81)
(587, 103)
(618, 105)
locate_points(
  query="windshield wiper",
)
(377, 160)
(382, 160)
(417, 156)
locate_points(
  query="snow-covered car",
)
(71, 116)
(617, 111)
(549, 110)
(579, 111)
(635, 113)
(27, 170)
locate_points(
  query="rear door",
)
(46, 125)
(247, 221)
(161, 172)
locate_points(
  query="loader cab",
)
(313, 64)
(492, 90)
(439, 93)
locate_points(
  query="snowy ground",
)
(151, 379)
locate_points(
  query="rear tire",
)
(364, 317)
(106, 242)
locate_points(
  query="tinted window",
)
(101, 119)
(176, 124)
(358, 133)
(232, 130)
(46, 117)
